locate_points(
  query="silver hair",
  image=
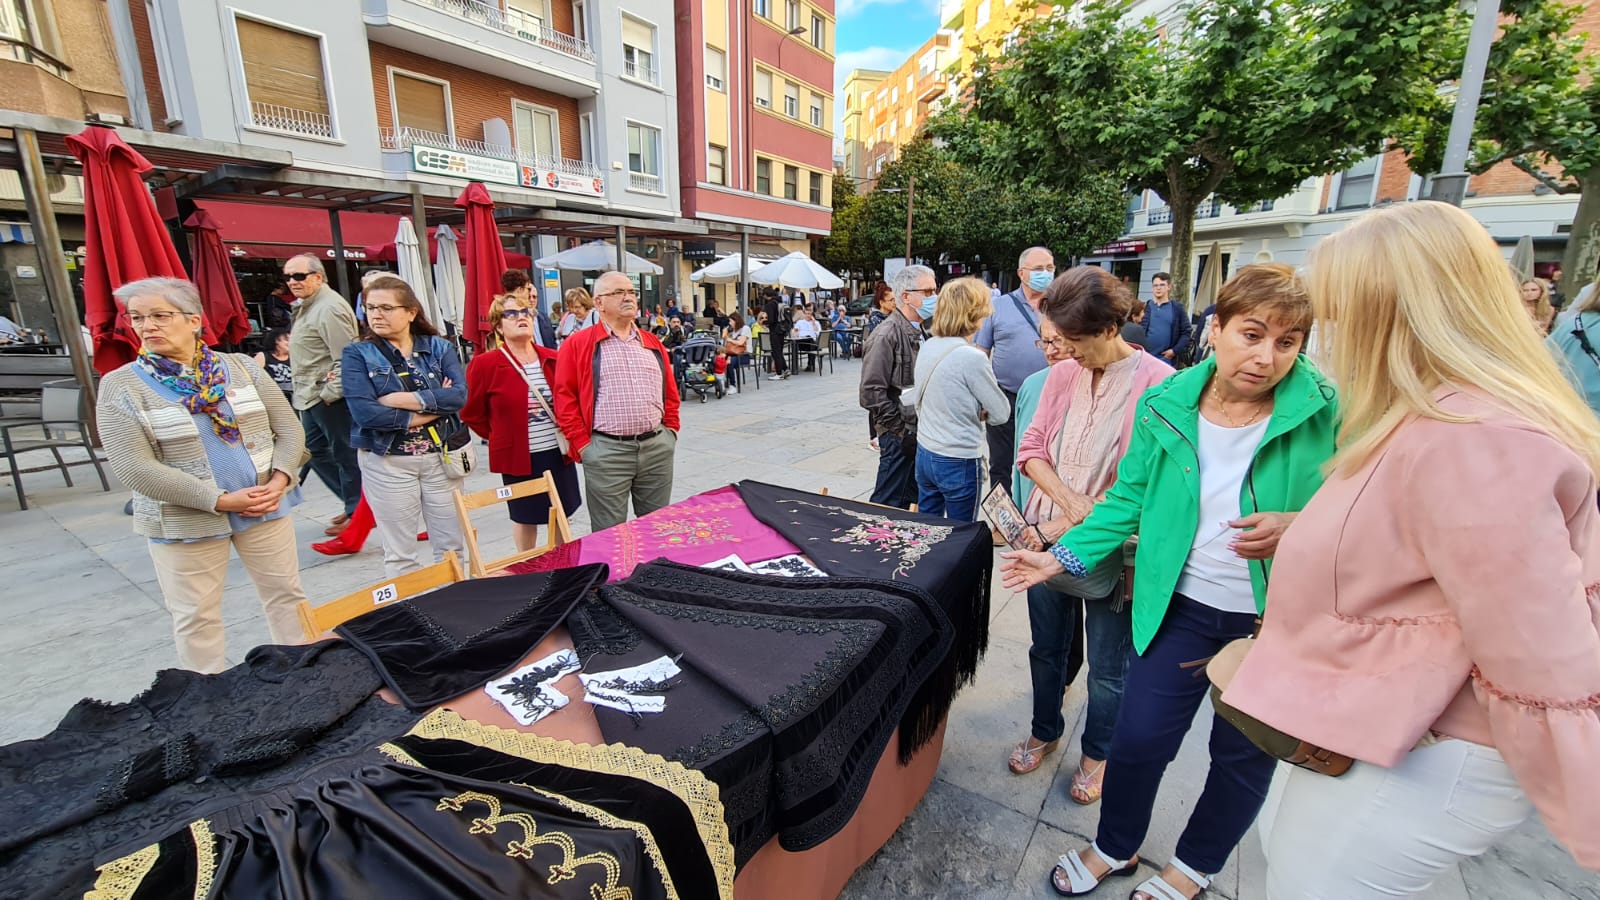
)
(371, 275)
(180, 293)
(1024, 255)
(906, 279)
(312, 263)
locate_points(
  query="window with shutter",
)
(763, 176)
(284, 78)
(791, 183)
(816, 188)
(638, 50)
(422, 105)
(717, 164)
(764, 88)
(538, 131)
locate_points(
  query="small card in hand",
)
(1003, 514)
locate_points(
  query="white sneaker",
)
(733, 390)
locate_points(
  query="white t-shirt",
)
(1213, 574)
(541, 428)
(805, 329)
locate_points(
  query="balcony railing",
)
(1210, 209)
(1262, 206)
(516, 23)
(641, 71)
(11, 48)
(293, 121)
(1162, 216)
(406, 138)
(643, 181)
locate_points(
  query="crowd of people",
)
(1430, 550)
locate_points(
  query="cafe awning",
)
(262, 231)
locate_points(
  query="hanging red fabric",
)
(486, 261)
(125, 239)
(227, 322)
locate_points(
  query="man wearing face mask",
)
(1009, 336)
(888, 364)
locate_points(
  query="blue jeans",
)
(897, 480)
(1054, 618)
(947, 486)
(1160, 701)
(327, 427)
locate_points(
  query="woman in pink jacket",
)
(1435, 609)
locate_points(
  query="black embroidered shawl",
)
(447, 642)
(790, 687)
(453, 809)
(951, 560)
(112, 773)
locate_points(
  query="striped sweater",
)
(154, 447)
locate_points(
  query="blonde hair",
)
(578, 299)
(963, 305)
(1543, 312)
(1417, 295)
(497, 313)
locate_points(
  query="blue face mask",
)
(926, 310)
(1039, 280)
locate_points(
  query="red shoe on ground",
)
(354, 535)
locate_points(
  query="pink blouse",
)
(1451, 584)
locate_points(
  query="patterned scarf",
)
(203, 388)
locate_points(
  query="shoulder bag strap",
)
(561, 438)
(1583, 338)
(923, 392)
(1025, 310)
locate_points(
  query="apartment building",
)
(756, 121)
(860, 89)
(898, 107)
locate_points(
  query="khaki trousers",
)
(615, 471)
(191, 576)
(401, 489)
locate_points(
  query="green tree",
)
(842, 250)
(1243, 100)
(1540, 110)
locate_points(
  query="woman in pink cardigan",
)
(1435, 609)
(1070, 451)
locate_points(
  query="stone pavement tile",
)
(1008, 616)
(987, 718)
(54, 609)
(1044, 851)
(955, 844)
(1529, 865)
(138, 645)
(37, 712)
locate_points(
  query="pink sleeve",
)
(1512, 546)
(1051, 409)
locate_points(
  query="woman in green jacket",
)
(1222, 456)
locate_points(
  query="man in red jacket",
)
(616, 400)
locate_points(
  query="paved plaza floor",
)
(83, 618)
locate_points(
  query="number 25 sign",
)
(385, 594)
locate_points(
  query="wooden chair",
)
(316, 620)
(559, 531)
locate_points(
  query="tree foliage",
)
(1242, 99)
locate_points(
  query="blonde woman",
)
(1434, 610)
(953, 395)
(1536, 299)
(579, 313)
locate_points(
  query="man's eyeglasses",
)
(160, 319)
(923, 292)
(516, 314)
(385, 309)
(1050, 268)
(298, 276)
(1057, 343)
(626, 295)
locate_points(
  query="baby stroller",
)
(695, 363)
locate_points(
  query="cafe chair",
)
(61, 423)
(318, 620)
(558, 533)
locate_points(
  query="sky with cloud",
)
(877, 34)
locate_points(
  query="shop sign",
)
(456, 164)
(551, 180)
(348, 253)
(1117, 247)
(552, 278)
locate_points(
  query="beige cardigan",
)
(153, 446)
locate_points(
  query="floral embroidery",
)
(910, 541)
(694, 530)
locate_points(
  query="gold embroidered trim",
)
(121, 877)
(531, 838)
(693, 788)
(205, 857)
(605, 819)
(400, 756)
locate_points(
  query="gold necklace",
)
(1216, 394)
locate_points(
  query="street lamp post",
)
(910, 190)
(1450, 185)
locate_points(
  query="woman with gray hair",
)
(209, 447)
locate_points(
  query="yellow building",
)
(859, 88)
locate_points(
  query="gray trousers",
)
(614, 471)
(402, 488)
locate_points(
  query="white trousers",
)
(191, 576)
(400, 488)
(1386, 833)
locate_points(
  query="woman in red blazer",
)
(502, 407)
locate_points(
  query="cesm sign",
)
(454, 163)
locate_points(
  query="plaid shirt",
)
(628, 385)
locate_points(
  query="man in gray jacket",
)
(323, 324)
(888, 363)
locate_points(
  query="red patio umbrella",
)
(486, 260)
(125, 239)
(226, 319)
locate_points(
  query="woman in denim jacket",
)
(404, 386)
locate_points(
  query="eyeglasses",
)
(1048, 268)
(160, 319)
(386, 309)
(516, 314)
(298, 276)
(626, 295)
(923, 292)
(1057, 343)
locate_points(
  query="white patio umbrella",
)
(725, 270)
(1522, 258)
(596, 256)
(796, 270)
(412, 269)
(449, 282)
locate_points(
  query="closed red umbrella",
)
(125, 239)
(486, 261)
(226, 319)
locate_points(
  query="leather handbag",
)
(1276, 744)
